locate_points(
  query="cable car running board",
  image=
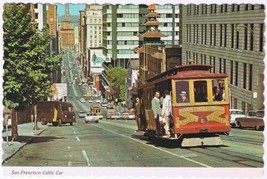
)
(204, 141)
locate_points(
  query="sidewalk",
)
(26, 133)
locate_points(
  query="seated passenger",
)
(183, 98)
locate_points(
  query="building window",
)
(205, 37)
(194, 33)
(246, 7)
(224, 65)
(246, 37)
(187, 34)
(250, 77)
(252, 37)
(214, 64)
(231, 71)
(237, 39)
(232, 35)
(261, 37)
(225, 8)
(245, 76)
(197, 33)
(202, 32)
(210, 34)
(221, 32)
(225, 35)
(236, 73)
(214, 40)
(220, 65)
(238, 7)
(36, 15)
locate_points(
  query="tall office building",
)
(169, 23)
(94, 25)
(122, 26)
(230, 37)
(40, 15)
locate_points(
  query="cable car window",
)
(218, 90)
(182, 92)
(200, 91)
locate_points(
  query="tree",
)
(117, 77)
(26, 62)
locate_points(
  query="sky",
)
(74, 9)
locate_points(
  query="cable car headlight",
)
(202, 120)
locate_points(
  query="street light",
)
(253, 57)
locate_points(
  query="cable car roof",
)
(188, 71)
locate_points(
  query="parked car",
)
(104, 104)
(235, 113)
(82, 100)
(90, 101)
(128, 116)
(116, 115)
(254, 119)
(82, 114)
(91, 118)
(110, 106)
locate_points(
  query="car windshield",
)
(260, 113)
(237, 112)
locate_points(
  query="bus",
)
(199, 120)
(55, 112)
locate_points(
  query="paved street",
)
(114, 143)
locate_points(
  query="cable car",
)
(198, 120)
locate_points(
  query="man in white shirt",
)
(166, 112)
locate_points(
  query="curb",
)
(18, 149)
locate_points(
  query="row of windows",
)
(126, 33)
(169, 24)
(127, 42)
(220, 65)
(128, 15)
(168, 15)
(95, 21)
(95, 32)
(215, 8)
(169, 33)
(167, 6)
(219, 35)
(128, 24)
(130, 6)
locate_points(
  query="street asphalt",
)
(26, 133)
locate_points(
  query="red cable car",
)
(200, 118)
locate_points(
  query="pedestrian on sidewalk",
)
(166, 112)
(137, 112)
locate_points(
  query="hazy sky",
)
(74, 9)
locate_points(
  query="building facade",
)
(230, 37)
(122, 26)
(169, 23)
(94, 25)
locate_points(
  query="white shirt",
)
(166, 106)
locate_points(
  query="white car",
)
(82, 100)
(116, 116)
(82, 114)
(235, 113)
(91, 118)
(128, 116)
